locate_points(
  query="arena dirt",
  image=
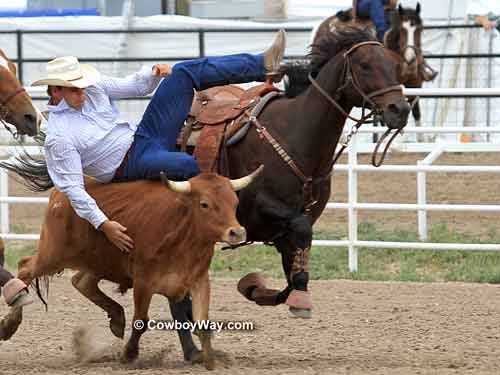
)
(357, 328)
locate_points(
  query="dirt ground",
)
(357, 328)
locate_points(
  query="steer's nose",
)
(235, 235)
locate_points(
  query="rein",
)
(4, 110)
(349, 79)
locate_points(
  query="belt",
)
(119, 170)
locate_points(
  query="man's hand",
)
(485, 22)
(162, 70)
(116, 234)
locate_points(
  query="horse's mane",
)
(328, 46)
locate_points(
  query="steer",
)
(175, 226)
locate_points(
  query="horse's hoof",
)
(129, 354)
(10, 323)
(249, 283)
(300, 302)
(301, 313)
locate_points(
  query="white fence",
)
(353, 168)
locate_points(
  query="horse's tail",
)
(39, 289)
(28, 170)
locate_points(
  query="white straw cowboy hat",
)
(68, 72)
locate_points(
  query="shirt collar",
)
(62, 106)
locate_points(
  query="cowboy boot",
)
(273, 56)
(428, 74)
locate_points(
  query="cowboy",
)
(86, 135)
(375, 10)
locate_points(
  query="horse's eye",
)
(365, 66)
(204, 204)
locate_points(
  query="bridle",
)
(350, 79)
(4, 110)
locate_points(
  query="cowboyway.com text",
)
(203, 325)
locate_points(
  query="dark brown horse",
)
(347, 68)
(16, 107)
(404, 37)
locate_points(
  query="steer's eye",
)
(204, 204)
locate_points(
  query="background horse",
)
(404, 37)
(16, 107)
(295, 137)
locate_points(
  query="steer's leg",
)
(200, 293)
(87, 284)
(142, 300)
(182, 312)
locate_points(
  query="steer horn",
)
(179, 187)
(243, 182)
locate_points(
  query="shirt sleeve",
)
(140, 83)
(65, 169)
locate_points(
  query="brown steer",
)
(174, 229)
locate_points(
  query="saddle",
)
(219, 117)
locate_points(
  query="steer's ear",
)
(179, 187)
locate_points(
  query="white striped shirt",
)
(92, 141)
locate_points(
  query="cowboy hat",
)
(68, 72)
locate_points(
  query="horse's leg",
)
(87, 284)
(200, 293)
(182, 312)
(294, 249)
(415, 111)
(142, 300)
(28, 268)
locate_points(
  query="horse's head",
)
(366, 74)
(16, 107)
(411, 33)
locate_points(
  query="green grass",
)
(377, 264)
(374, 264)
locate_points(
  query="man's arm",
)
(141, 83)
(65, 169)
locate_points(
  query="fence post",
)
(421, 199)
(201, 42)
(4, 207)
(352, 200)
(19, 41)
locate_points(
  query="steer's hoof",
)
(300, 303)
(249, 283)
(10, 323)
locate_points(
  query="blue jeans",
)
(375, 10)
(153, 149)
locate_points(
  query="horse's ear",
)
(418, 9)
